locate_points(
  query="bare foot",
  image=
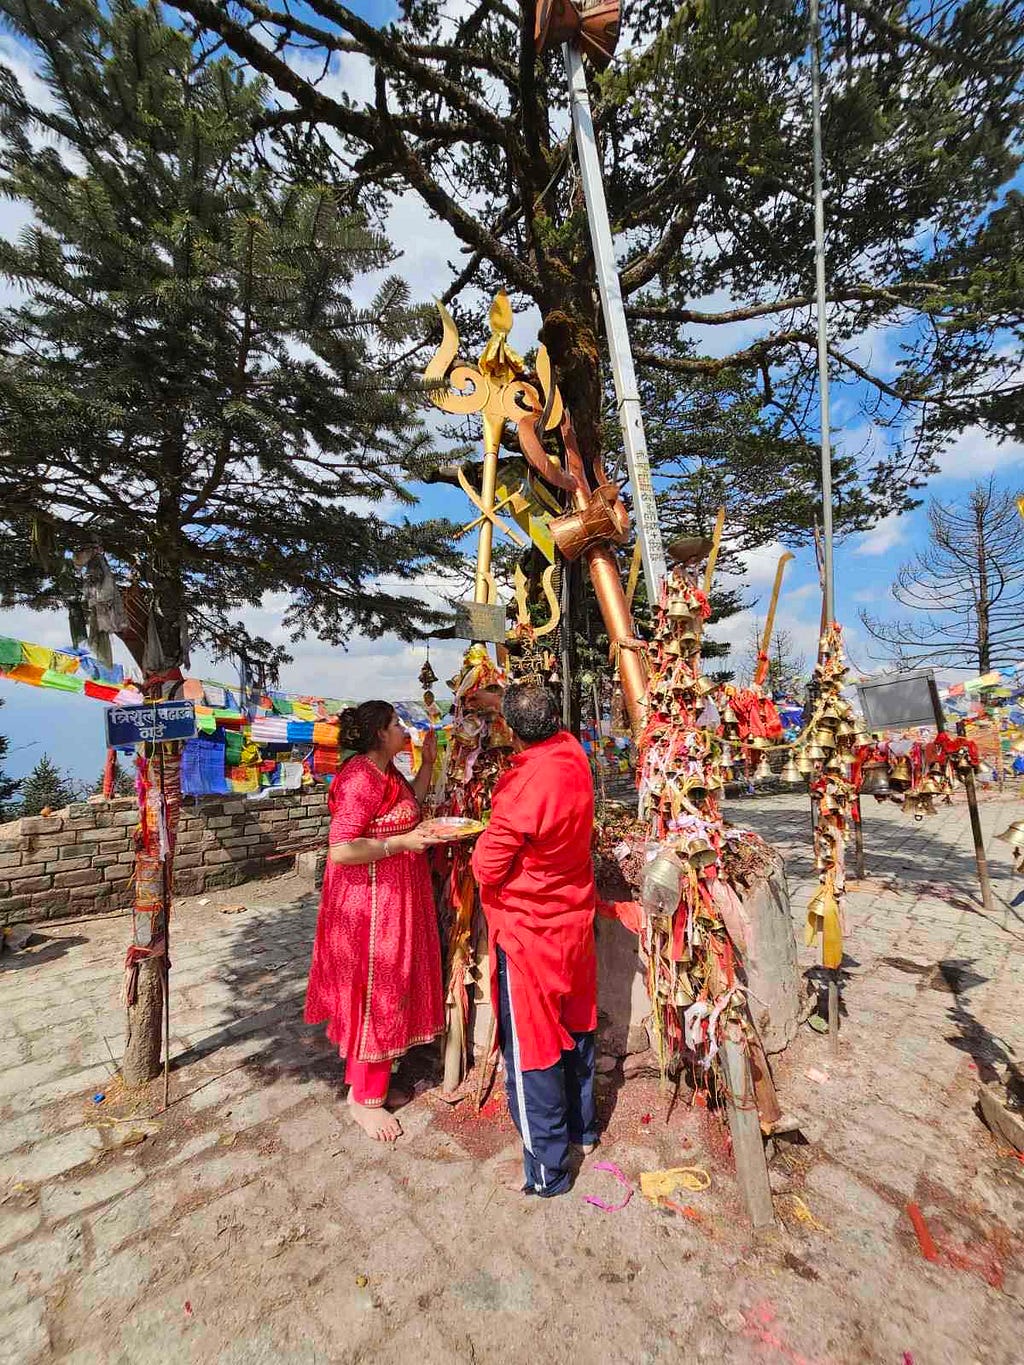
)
(375, 1122)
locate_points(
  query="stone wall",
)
(80, 861)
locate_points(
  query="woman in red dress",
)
(376, 972)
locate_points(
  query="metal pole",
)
(627, 393)
(819, 265)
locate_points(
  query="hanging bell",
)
(763, 771)
(678, 608)
(729, 716)
(874, 780)
(815, 753)
(861, 738)
(427, 675)
(1014, 836)
(804, 764)
(835, 765)
(901, 772)
(689, 641)
(829, 717)
(845, 728)
(824, 739)
(791, 773)
(758, 742)
(671, 647)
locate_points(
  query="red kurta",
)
(536, 878)
(376, 971)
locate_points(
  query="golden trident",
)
(497, 390)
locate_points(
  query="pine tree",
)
(703, 123)
(8, 786)
(196, 413)
(47, 788)
(124, 782)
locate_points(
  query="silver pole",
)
(819, 264)
(627, 393)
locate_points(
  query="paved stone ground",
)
(253, 1223)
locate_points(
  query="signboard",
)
(480, 621)
(899, 701)
(155, 722)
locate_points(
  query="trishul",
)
(498, 390)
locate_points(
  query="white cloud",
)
(883, 537)
(976, 452)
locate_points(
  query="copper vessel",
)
(594, 27)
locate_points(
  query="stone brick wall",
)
(80, 861)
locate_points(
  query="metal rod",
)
(819, 267)
(833, 1010)
(627, 392)
(489, 479)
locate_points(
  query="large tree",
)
(965, 588)
(196, 413)
(704, 127)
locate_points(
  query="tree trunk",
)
(147, 955)
(984, 648)
(141, 1061)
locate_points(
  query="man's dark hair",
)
(532, 712)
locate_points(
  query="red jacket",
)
(536, 877)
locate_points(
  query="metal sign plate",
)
(480, 621)
(152, 723)
(898, 701)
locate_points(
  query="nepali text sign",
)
(152, 723)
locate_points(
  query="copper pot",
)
(603, 520)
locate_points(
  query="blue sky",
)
(70, 728)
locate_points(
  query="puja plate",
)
(450, 827)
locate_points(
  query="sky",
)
(70, 728)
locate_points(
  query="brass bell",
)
(815, 753)
(823, 738)
(835, 764)
(861, 738)
(689, 641)
(845, 728)
(804, 765)
(829, 718)
(759, 742)
(729, 716)
(678, 608)
(700, 853)
(900, 772)
(927, 786)
(705, 686)
(763, 771)
(1014, 836)
(791, 773)
(874, 780)
(671, 646)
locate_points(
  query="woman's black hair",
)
(360, 726)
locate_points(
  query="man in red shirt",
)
(536, 878)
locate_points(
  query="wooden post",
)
(979, 842)
(858, 837)
(972, 806)
(745, 1129)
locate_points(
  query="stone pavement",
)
(253, 1223)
